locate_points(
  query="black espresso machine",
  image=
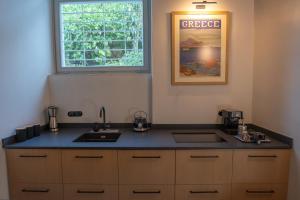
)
(231, 120)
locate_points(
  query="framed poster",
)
(199, 48)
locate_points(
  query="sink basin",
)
(197, 137)
(98, 137)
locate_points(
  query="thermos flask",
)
(52, 111)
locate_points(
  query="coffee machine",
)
(52, 111)
(231, 119)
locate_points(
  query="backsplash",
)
(121, 94)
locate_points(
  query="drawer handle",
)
(205, 156)
(36, 191)
(146, 192)
(145, 157)
(260, 191)
(90, 192)
(89, 157)
(33, 156)
(204, 192)
(262, 156)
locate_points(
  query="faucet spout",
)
(103, 116)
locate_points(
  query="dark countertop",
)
(153, 139)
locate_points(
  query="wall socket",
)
(75, 114)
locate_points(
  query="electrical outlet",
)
(75, 114)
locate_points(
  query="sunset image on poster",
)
(200, 47)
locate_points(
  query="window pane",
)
(102, 34)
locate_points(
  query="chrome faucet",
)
(103, 116)
(106, 127)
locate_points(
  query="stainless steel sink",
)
(197, 137)
(98, 137)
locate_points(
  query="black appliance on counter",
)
(231, 119)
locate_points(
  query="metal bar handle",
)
(157, 157)
(146, 192)
(89, 157)
(204, 192)
(260, 191)
(262, 156)
(33, 156)
(36, 190)
(90, 192)
(213, 156)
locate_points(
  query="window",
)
(103, 35)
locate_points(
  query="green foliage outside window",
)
(102, 34)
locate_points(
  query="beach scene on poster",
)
(200, 48)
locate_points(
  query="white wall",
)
(188, 104)
(276, 75)
(121, 94)
(200, 104)
(25, 61)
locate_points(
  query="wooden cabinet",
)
(203, 192)
(34, 174)
(259, 191)
(40, 191)
(146, 192)
(147, 167)
(148, 174)
(90, 192)
(34, 166)
(260, 174)
(261, 166)
(90, 167)
(203, 167)
(203, 174)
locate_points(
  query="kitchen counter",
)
(153, 139)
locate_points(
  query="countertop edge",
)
(284, 142)
(150, 148)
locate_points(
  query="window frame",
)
(146, 46)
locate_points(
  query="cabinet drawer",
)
(203, 166)
(203, 192)
(146, 192)
(90, 167)
(90, 192)
(41, 191)
(259, 191)
(261, 166)
(34, 166)
(146, 167)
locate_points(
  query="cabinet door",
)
(24, 191)
(90, 167)
(203, 192)
(147, 167)
(146, 192)
(34, 166)
(261, 166)
(203, 166)
(259, 192)
(90, 192)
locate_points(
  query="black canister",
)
(30, 132)
(36, 130)
(21, 134)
